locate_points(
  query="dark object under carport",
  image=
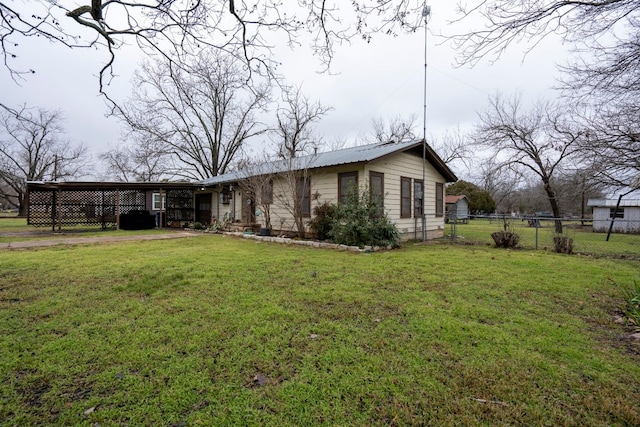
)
(137, 220)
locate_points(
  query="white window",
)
(156, 202)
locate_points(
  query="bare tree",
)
(174, 28)
(506, 22)
(257, 179)
(603, 74)
(142, 161)
(202, 117)
(575, 187)
(33, 148)
(611, 148)
(294, 137)
(453, 148)
(293, 133)
(397, 129)
(294, 189)
(499, 181)
(540, 141)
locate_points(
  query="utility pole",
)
(55, 167)
(426, 12)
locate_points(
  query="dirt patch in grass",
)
(611, 329)
(31, 387)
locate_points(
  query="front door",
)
(203, 208)
(248, 208)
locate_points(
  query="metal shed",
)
(626, 219)
(457, 208)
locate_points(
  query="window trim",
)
(341, 175)
(266, 193)
(418, 207)
(372, 175)
(305, 202)
(163, 197)
(405, 197)
(439, 200)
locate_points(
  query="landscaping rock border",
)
(310, 243)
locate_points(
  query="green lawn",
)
(584, 239)
(214, 330)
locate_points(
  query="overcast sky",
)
(383, 78)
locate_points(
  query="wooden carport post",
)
(117, 209)
(54, 209)
(163, 214)
(59, 208)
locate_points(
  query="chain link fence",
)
(535, 233)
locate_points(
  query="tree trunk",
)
(555, 206)
(22, 210)
(299, 220)
(563, 245)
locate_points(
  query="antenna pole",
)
(426, 12)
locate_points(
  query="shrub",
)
(563, 244)
(323, 217)
(357, 222)
(505, 239)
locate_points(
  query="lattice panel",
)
(180, 207)
(132, 200)
(41, 211)
(81, 207)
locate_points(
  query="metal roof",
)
(102, 185)
(359, 154)
(611, 203)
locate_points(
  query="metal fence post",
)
(454, 230)
(537, 228)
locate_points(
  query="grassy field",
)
(584, 239)
(215, 330)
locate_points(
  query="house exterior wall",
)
(219, 208)
(410, 166)
(232, 208)
(324, 188)
(629, 223)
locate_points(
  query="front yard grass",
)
(213, 330)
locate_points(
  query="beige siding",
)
(324, 188)
(219, 209)
(281, 219)
(409, 166)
